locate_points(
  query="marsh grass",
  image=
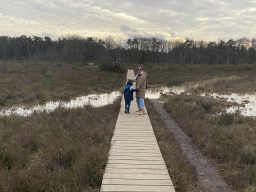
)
(30, 83)
(182, 172)
(244, 85)
(229, 139)
(65, 150)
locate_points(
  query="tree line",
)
(137, 50)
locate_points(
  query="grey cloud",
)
(172, 34)
(47, 35)
(145, 35)
(127, 29)
(195, 19)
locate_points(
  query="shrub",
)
(173, 67)
(226, 119)
(251, 172)
(244, 67)
(207, 104)
(6, 159)
(248, 156)
(113, 68)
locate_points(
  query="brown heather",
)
(65, 150)
(228, 139)
(182, 172)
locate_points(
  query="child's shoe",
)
(142, 112)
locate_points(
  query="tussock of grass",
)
(182, 173)
(65, 150)
(228, 139)
(30, 83)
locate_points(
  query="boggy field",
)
(67, 149)
(227, 138)
(31, 83)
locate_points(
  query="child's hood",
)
(127, 87)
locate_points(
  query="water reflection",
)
(96, 100)
(247, 101)
(156, 91)
(93, 99)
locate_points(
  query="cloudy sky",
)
(207, 20)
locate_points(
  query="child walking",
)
(128, 95)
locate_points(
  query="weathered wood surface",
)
(135, 162)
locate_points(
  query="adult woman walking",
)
(141, 84)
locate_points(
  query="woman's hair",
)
(140, 67)
(129, 82)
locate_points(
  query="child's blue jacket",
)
(128, 93)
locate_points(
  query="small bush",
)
(245, 67)
(173, 67)
(251, 172)
(6, 159)
(207, 105)
(226, 119)
(248, 156)
(113, 68)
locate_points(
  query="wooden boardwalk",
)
(135, 162)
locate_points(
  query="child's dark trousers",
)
(127, 106)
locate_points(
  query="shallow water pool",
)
(248, 102)
(248, 107)
(95, 100)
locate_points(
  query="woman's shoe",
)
(138, 111)
(142, 112)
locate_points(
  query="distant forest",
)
(137, 50)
